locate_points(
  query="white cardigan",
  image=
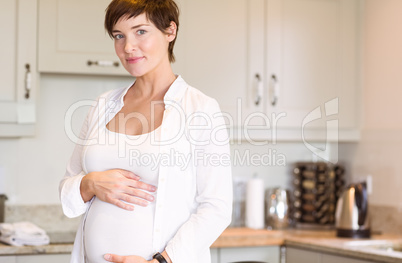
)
(193, 201)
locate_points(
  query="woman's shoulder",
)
(199, 99)
(114, 94)
(107, 100)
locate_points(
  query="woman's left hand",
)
(125, 259)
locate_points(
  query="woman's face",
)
(141, 47)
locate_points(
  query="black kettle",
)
(351, 216)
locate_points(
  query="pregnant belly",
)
(110, 229)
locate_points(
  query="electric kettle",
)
(351, 215)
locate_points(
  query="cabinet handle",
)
(258, 89)
(274, 90)
(28, 80)
(103, 63)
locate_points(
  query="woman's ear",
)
(171, 31)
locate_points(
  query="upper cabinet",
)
(18, 67)
(216, 53)
(312, 62)
(288, 69)
(72, 38)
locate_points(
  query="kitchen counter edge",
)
(316, 240)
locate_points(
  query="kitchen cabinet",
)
(217, 52)
(8, 259)
(18, 67)
(311, 49)
(214, 255)
(336, 259)
(302, 256)
(49, 258)
(269, 254)
(290, 66)
(297, 255)
(72, 38)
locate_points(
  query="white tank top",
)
(108, 228)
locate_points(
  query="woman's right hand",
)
(115, 186)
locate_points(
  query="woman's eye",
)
(141, 32)
(118, 36)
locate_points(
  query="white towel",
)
(23, 233)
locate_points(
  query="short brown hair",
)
(160, 12)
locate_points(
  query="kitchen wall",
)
(378, 152)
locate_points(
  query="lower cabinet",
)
(268, 254)
(214, 255)
(8, 259)
(49, 258)
(297, 255)
(336, 259)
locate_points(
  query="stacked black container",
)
(317, 186)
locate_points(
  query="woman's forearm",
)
(86, 187)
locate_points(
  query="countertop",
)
(317, 240)
(60, 243)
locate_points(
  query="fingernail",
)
(107, 256)
(151, 198)
(153, 188)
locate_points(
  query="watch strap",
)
(158, 256)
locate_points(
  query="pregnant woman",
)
(151, 174)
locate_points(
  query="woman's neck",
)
(154, 83)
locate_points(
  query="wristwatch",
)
(159, 257)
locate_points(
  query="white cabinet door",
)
(214, 53)
(51, 258)
(295, 255)
(312, 60)
(17, 67)
(214, 255)
(269, 254)
(326, 258)
(8, 259)
(72, 38)
(8, 50)
(275, 63)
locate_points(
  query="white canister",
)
(255, 203)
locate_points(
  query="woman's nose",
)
(129, 47)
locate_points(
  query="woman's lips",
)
(134, 60)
